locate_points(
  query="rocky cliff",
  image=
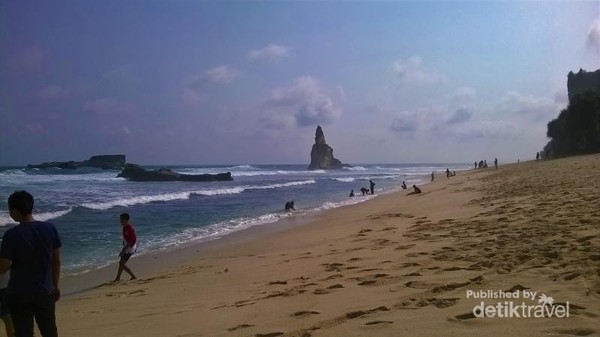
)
(321, 156)
(582, 82)
(105, 162)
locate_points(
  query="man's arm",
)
(56, 272)
(4, 265)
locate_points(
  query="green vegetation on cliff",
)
(577, 129)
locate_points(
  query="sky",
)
(247, 82)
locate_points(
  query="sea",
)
(85, 204)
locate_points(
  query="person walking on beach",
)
(432, 175)
(372, 187)
(448, 175)
(496, 163)
(129, 246)
(31, 250)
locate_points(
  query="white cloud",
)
(529, 106)
(193, 91)
(272, 52)
(306, 101)
(190, 96)
(486, 129)
(464, 93)
(423, 120)
(405, 123)
(593, 38)
(412, 71)
(221, 74)
(561, 97)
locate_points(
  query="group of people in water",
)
(364, 190)
(483, 164)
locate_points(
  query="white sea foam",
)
(52, 215)
(220, 191)
(242, 167)
(5, 218)
(291, 183)
(345, 179)
(144, 199)
(355, 168)
(212, 232)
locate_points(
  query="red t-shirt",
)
(129, 235)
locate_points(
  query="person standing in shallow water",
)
(31, 250)
(372, 187)
(129, 246)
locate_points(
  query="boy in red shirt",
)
(129, 246)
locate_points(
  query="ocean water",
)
(85, 204)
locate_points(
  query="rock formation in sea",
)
(321, 156)
(105, 162)
(135, 172)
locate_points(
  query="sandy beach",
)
(397, 265)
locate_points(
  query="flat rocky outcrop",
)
(105, 162)
(135, 172)
(321, 155)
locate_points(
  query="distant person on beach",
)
(537, 156)
(496, 163)
(475, 164)
(31, 250)
(351, 193)
(404, 185)
(364, 190)
(129, 246)
(448, 175)
(432, 175)
(485, 163)
(416, 190)
(4, 309)
(372, 184)
(289, 206)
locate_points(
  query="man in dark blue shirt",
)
(31, 250)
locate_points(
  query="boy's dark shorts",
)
(126, 256)
(4, 311)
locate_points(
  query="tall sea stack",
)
(321, 156)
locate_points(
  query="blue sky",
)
(207, 82)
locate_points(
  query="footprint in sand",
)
(270, 334)
(379, 322)
(241, 326)
(304, 313)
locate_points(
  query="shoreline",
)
(161, 260)
(397, 265)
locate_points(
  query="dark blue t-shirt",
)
(29, 246)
